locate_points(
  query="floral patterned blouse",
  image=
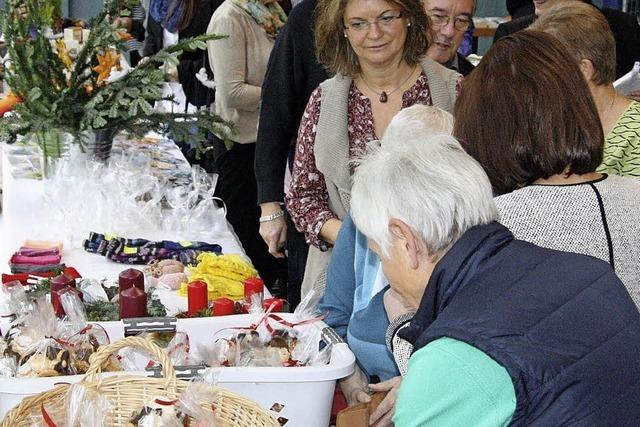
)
(308, 200)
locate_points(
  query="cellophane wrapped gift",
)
(37, 345)
(190, 403)
(86, 407)
(82, 338)
(125, 197)
(178, 350)
(271, 341)
(194, 208)
(159, 411)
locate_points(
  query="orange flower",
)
(106, 63)
(124, 36)
(7, 103)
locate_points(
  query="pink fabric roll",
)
(35, 260)
(38, 252)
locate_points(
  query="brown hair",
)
(526, 113)
(334, 51)
(586, 34)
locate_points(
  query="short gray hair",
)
(429, 182)
(419, 121)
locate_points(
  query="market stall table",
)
(23, 218)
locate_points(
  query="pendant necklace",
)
(383, 96)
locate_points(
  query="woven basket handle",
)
(98, 358)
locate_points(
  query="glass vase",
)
(54, 144)
(97, 143)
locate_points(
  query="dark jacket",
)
(464, 66)
(292, 74)
(561, 324)
(190, 62)
(624, 27)
(520, 8)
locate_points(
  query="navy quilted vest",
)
(562, 324)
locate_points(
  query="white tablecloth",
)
(23, 218)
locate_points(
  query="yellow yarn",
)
(224, 275)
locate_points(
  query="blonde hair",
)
(586, 34)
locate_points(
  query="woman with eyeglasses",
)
(376, 50)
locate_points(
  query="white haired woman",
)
(504, 332)
(356, 284)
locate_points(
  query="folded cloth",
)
(38, 244)
(29, 268)
(38, 251)
(35, 260)
(24, 277)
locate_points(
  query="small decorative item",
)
(130, 277)
(59, 285)
(63, 280)
(253, 291)
(160, 412)
(277, 303)
(223, 307)
(197, 297)
(133, 303)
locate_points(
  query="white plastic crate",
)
(305, 393)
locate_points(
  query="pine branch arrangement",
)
(75, 96)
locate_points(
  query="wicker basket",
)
(130, 392)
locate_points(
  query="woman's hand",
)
(395, 304)
(383, 414)
(354, 388)
(274, 232)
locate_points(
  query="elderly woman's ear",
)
(410, 240)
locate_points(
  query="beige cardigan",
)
(239, 64)
(331, 150)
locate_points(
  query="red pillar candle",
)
(223, 307)
(278, 305)
(131, 277)
(253, 286)
(61, 281)
(197, 296)
(133, 303)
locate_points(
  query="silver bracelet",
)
(271, 217)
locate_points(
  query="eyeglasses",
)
(384, 21)
(459, 23)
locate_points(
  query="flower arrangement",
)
(56, 90)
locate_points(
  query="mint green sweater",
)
(450, 383)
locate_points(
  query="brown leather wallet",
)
(358, 415)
